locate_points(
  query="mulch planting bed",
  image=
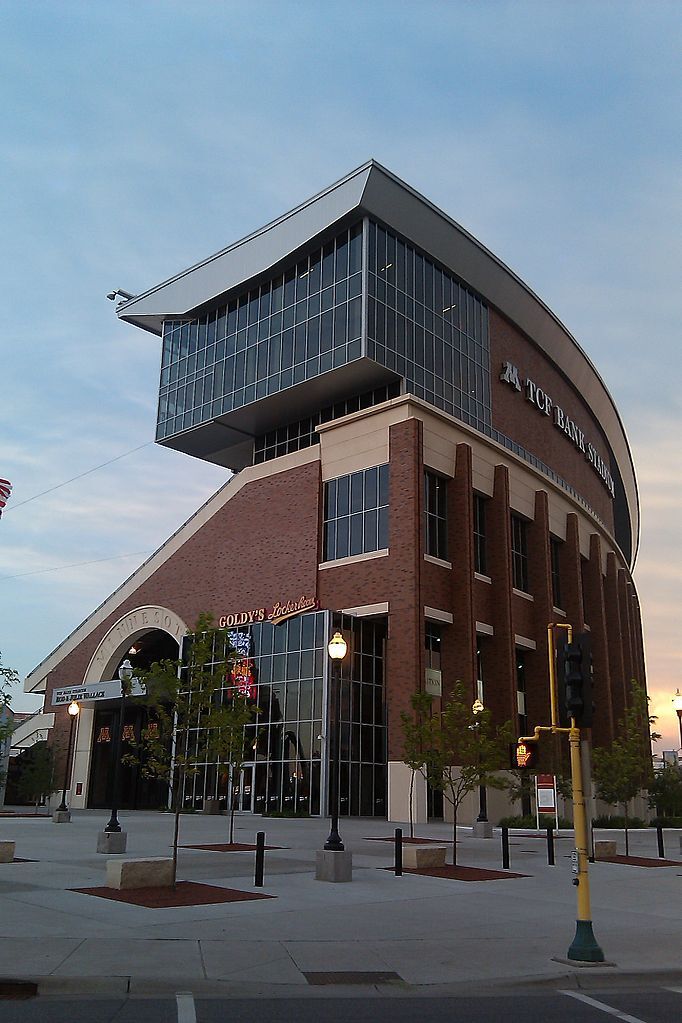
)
(186, 893)
(640, 861)
(460, 873)
(230, 847)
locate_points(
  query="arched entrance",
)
(144, 635)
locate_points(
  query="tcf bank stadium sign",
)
(279, 612)
(542, 401)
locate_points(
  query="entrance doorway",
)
(242, 790)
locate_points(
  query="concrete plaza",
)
(434, 933)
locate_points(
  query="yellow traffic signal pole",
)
(584, 948)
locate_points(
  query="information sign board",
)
(94, 691)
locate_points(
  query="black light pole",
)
(677, 703)
(337, 649)
(73, 711)
(482, 818)
(125, 674)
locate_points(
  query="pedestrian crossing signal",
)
(524, 755)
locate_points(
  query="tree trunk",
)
(454, 834)
(627, 843)
(411, 806)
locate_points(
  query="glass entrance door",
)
(242, 790)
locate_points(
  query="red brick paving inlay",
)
(230, 847)
(186, 893)
(640, 861)
(460, 873)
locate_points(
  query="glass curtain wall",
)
(425, 325)
(362, 788)
(285, 744)
(295, 326)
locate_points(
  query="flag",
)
(5, 491)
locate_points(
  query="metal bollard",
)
(659, 836)
(550, 846)
(260, 859)
(505, 847)
(398, 857)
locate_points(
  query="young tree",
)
(190, 721)
(36, 774)
(8, 678)
(413, 738)
(460, 750)
(624, 769)
(227, 742)
(665, 791)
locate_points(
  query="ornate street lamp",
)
(677, 704)
(125, 674)
(478, 708)
(73, 711)
(337, 649)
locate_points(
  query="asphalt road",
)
(645, 1005)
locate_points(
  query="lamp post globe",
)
(476, 709)
(337, 648)
(125, 675)
(73, 712)
(126, 671)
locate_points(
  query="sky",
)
(138, 138)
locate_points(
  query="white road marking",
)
(186, 1010)
(677, 990)
(604, 1008)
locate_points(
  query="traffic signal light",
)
(575, 681)
(524, 755)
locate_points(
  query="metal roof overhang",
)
(373, 191)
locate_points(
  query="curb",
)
(154, 987)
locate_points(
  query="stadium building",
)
(417, 451)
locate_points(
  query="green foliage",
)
(8, 678)
(665, 791)
(624, 769)
(666, 822)
(546, 821)
(606, 820)
(36, 773)
(186, 703)
(455, 750)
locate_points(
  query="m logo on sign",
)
(510, 375)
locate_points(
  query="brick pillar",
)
(625, 632)
(638, 669)
(540, 581)
(613, 632)
(459, 641)
(405, 649)
(500, 662)
(595, 615)
(571, 575)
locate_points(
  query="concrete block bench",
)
(423, 856)
(602, 850)
(7, 851)
(144, 873)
